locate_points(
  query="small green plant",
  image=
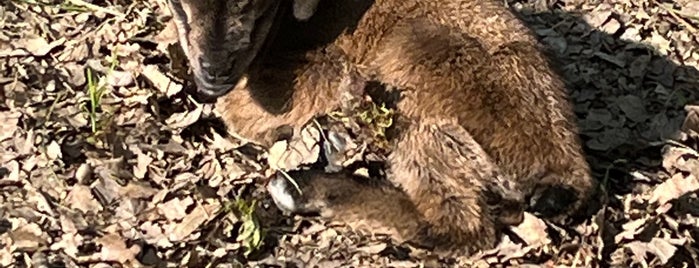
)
(376, 118)
(379, 118)
(95, 92)
(250, 233)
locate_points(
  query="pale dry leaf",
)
(659, 42)
(630, 230)
(199, 215)
(235, 172)
(673, 188)
(28, 237)
(13, 176)
(691, 121)
(673, 154)
(6, 258)
(299, 151)
(662, 249)
(184, 119)
(114, 249)
(276, 152)
(532, 230)
(53, 151)
(336, 149)
(9, 120)
(154, 235)
(219, 142)
(80, 198)
(160, 81)
(83, 173)
(38, 46)
(69, 243)
(175, 209)
(507, 250)
(39, 201)
(142, 163)
(119, 78)
(373, 249)
(166, 37)
(137, 190)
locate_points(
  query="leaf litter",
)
(154, 184)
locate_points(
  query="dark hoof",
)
(550, 201)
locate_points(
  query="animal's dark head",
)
(222, 37)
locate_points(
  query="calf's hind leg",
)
(449, 196)
(454, 184)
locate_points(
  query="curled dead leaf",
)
(673, 188)
(532, 230)
(80, 198)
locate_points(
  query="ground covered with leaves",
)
(105, 161)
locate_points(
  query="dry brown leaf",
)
(657, 246)
(13, 176)
(532, 230)
(69, 243)
(175, 209)
(83, 173)
(630, 230)
(33, 45)
(6, 258)
(633, 108)
(192, 221)
(80, 198)
(691, 121)
(673, 188)
(153, 234)
(9, 120)
(160, 81)
(373, 249)
(184, 119)
(299, 151)
(142, 163)
(53, 151)
(114, 249)
(119, 78)
(28, 237)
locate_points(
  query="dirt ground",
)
(106, 162)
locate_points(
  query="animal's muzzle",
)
(212, 86)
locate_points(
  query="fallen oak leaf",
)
(184, 119)
(114, 249)
(301, 150)
(175, 209)
(32, 45)
(80, 198)
(199, 215)
(674, 188)
(532, 230)
(160, 81)
(662, 249)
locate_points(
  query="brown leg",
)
(286, 94)
(536, 137)
(454, 184)
(359, 202)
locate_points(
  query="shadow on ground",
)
(627, 95)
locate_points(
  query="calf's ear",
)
(304, 9)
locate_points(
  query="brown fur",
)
(465, 67)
